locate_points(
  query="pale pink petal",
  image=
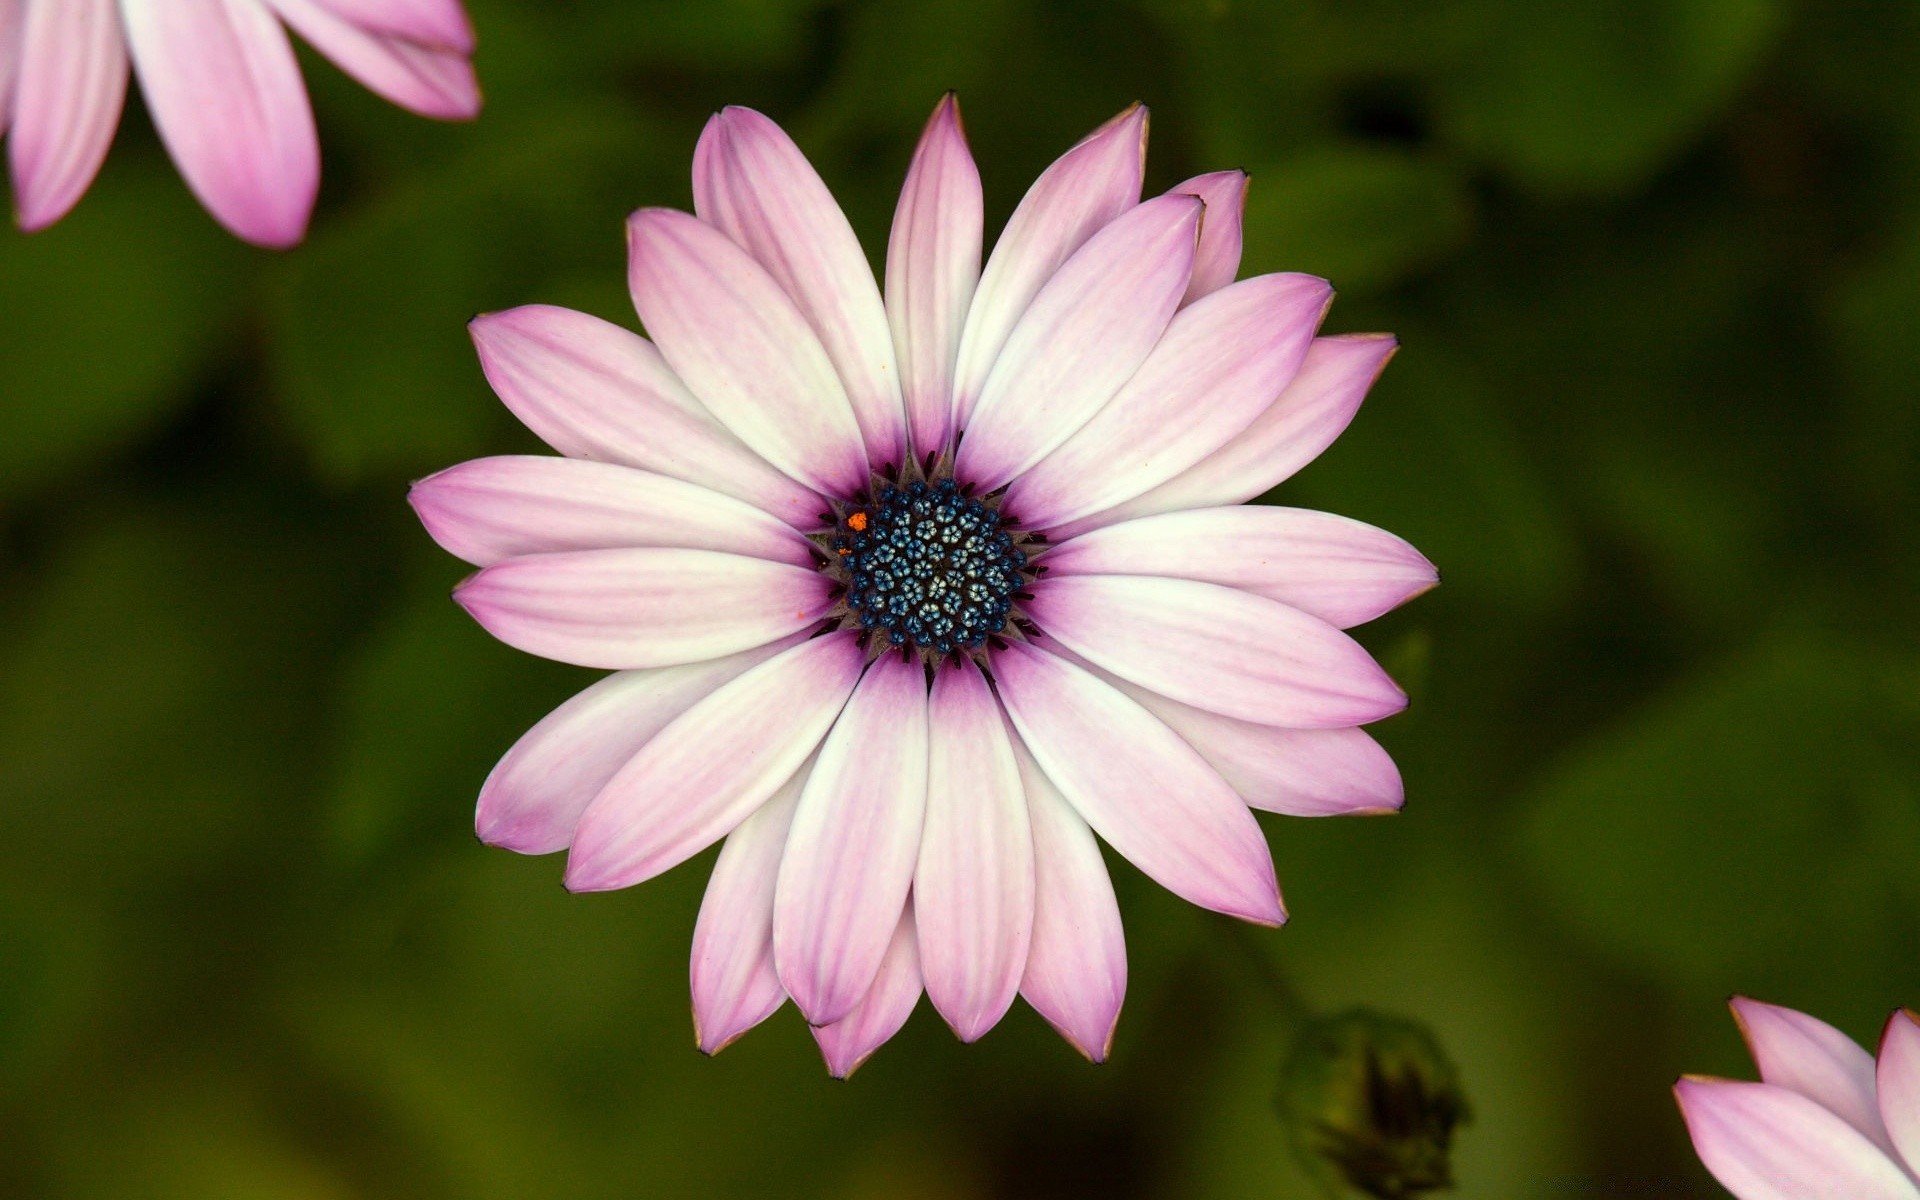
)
(1216, 648)
(492, 509)
(1898, 1083)
(698, 778)
(1080, 193)
(430, 80)
(1313, 410)
(1217, 260)
(1089, 328)
(591, 389)
(1805, 1054)
(850, 854)
(67, 96)
(1296, 772)
(1140, 786)
(224, 89)
(13, 20)
(1340, 570)
(973, 887)
(852, 1039)
(441, 23)
(933, 265)
(1076, 975)
(642, 608)
(751, 182)
(740, 345)
(1769, 1143)
(733, 980)
(1218, 366)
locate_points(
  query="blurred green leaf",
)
(1360, 216)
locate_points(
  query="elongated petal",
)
(430, 80)
(1898, 1083)
(492, 509)
(1806, 1055)
(1217, 260)
(642, 608)
(850, 855)
(1313, 410)
(1083, 190)
(441, 23)
(67, 97)
(533, 798)
(751, 182)
(1216, 648)
(733, 335)
(973, 887)
(698, 778)
(1296, 772)
(933, 266)
(1764, 1142)
(591, 389)
(13, 28)
(1221, 362)
(1141, 787)
(224, 89)
(852, 1039)
(1086, 332)
(1340, 570)
(1076, 975)
(733, 980)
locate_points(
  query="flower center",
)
(928, 568)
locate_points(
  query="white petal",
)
(1769, 1143)
(1898, 1083)
(66, 98)
(852, 1039)
(1218, 259)
(1806, 1055)
(430, 80)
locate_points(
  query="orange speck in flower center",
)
(857, 522)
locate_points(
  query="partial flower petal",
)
(1764, 1142)
(534, 797)
(1076, 975)
(1147, 792)
(440, 23)
(1337, 569)
(933, 265)
(851, 852)
(1217, 260)
(1086, 332)
(490, 509)
(1216, 648)
(733, 980)
(221, 81)
(67, 97)
(751, 182)
(1898, 1083)
(736, 339)
(591, 389)
(1083, 190)
(13, 28)
(852, 1039)
(973, 886)
(1218, 366)
(642, 608)
(430, 80)
(1806, 1055)
(1313, 410)
(698, 778)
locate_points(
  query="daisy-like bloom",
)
(910, 595)
(1826, 1122)
(221, 81)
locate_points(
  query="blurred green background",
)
(1656, 268)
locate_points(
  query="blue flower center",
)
(928, 567)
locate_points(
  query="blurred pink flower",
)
(910, 596)
(1826, 1122)
(221, 81)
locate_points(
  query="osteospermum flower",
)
(1826, 1122)
(910, 596)
(224, 89)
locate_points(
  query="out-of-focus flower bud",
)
(1372, 1102)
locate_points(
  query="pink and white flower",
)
(910, 595)
(225, 91)
(1826, 1121)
